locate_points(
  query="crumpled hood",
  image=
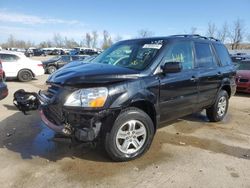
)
(243, 73)
(91, 73)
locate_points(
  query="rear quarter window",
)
(222, 54)
(204, 55)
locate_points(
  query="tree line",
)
(233, 34)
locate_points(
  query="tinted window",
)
(204, 56)
(222, 54)
(180, 52)
(66, 58)
(75, 58)
(8, 57)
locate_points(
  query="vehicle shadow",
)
(29, 137)
(10, 107)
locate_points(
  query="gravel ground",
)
(189, 152)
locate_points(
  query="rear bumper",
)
(3, 90)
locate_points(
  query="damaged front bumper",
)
(85, 125)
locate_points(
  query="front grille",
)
(53, 108)
(52, 91)
(54, 114)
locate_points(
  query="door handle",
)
(193, 78)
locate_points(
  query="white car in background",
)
(17, 65)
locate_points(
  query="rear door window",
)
(204, 55)
(223, 54)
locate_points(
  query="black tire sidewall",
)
(50, 68)
(22, 72)
(222, 93)
(110, 140)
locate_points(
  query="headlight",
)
(92, 97)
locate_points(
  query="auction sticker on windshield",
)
(154, 46)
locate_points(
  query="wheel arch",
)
(227, 88)
(148, 108)
(33, 75)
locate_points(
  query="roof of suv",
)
(179, 37)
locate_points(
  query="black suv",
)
(122, 96)
(57, 62)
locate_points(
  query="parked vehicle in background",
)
(29, 53)
(57, 52)
(238, 57)
(17, 65)
(39, 52)
(243, 76)
(85, 51)
(47, 51)
(57, 62)
(122, 96)
(3, 86)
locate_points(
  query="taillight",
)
(40, 65)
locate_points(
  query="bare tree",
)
(145, 33)
(193, 30)
(70, 43)
(211, 30)
(222, 33)
(94, 39)
(58, 40)
(11, 41)
(236, 33)
(88, 40)
(107, 40)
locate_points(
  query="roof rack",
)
(195, 36)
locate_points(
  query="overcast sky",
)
(40, 20)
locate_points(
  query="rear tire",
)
(219, 109)
(51, 69)
(25, 75)
(130, 136)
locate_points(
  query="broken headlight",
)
(91, 97)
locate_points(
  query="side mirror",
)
(171, 67)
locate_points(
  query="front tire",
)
(219, 109)
(130, 136)
(25, 75)
(51, 69)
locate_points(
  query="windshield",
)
(244, 66)
(134, 54)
